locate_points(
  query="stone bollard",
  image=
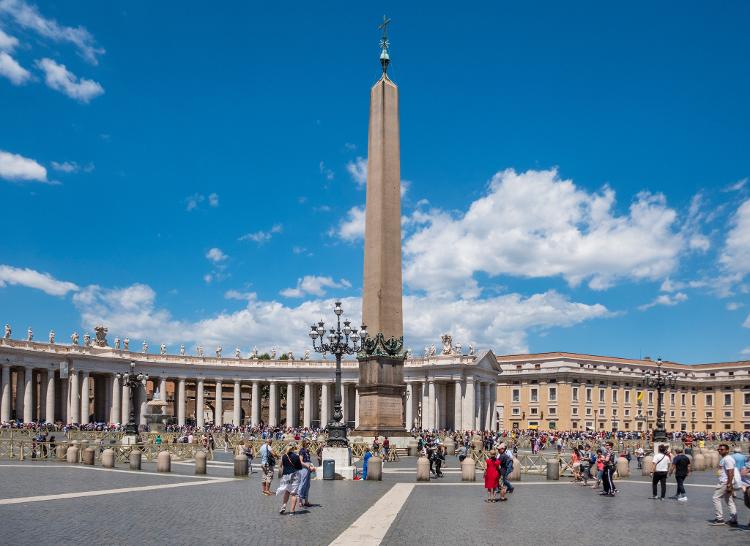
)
(712, 463)
(108, 458)
(468, 470)
(623, 468)
(72, 454)
(647, 465)
(200, 462)
(450, 447)
(135, 460)
(89, 455)
(375, 469)
(699, 462)
(553, 470)
(412, 447)
(515, 475)
(240, 466)
(423, 469)
(164, 462)
(60, 452)
(476, 443)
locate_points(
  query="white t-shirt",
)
(662, 462)
(726, 463)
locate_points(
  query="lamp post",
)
(341, 341)
(660, 381)
(133, 382)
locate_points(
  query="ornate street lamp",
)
(341, 341)
(660, 381)
(133, 382)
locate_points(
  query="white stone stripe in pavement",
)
(61, 496)
(371, 527)
(100, 469)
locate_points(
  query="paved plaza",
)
(69, 504)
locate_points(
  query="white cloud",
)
(535, 224)
(133, 312)
(261, 237)
(745, 351)
(746, 324)
(7, 42)
(313, 285)
(737, 186)
(358, 171)
(17, 167)
(349, 146)
(735, 256)
(192, 202)
(213, 200)
(733, 305)
(207, 278)
(28, 17)
(665, 299)
(61, 79)
(352, 227)
(65, 166)
(30, 278)
(242, 296)
(325, 171)
(668, 285)
(216, 255)
(9, 68)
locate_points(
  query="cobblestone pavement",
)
(444, 511)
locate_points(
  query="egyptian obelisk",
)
(381, 366)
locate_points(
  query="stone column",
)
(163, 389)
(486, 398)
(409, 406)
(325, 404)
(345, 401)
(115, 412)
(442, 404)
(273, 404)
(42, 376)
(307, 417)
(425, 403)
(457, 403)
(431, 405)
(84, 398)
(291, 406)
(5, 396)
(28, 397)
(468, 405)
(142, 400)
(219, 406)
(181, 402)
(356, 407)
(200, 404)
(255, 404)
(125, 418)
(106, 383)
(49, 409)
(64, 400)
(74, 397)
(237, 404)
(478, 405)
(20, 373)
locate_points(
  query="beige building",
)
(568, 391)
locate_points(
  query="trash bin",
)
(329, 469)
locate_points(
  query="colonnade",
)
(465, 404)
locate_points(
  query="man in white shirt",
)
(725, 488)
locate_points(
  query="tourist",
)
(250, 454)
(267, 463)
(661, 464)
(386, 448)
(491, 476)
(290, 478)
(609, 464)
(506, 467)
(575, 463)
(439, 460)
(462, 452)
(681, 470)
(639, 453)
(725, 488)
(365, 462)
(304, 488)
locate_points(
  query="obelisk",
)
(381, 364)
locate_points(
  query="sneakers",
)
(732, 522)
(682, 499)
(716, 521)
(654, 497)
(283, 509)
(674, 497)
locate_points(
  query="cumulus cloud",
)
(216, 255)
(665, 299)
(7, 42)
(501, 323)
(261, 237)
(18, 168)
(28, 17)
(357, 169)
(59, 78)
(9, 68)
(242, 296)
(735, 255)
(313, 285)
(30, 278)
(352, 227)
(535, 224)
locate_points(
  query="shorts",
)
(290, 483)
(267, 474)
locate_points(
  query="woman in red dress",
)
(491, 476)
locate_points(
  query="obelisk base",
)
(381, 397)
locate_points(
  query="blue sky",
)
(575, 175)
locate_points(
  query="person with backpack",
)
(267, 462)
(506, 467)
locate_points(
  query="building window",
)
(682, 399)
(534, 395)
(614, 412)
(650, 413)
(650, 398)
(601, 395)
(601, 411)
(553, 394)
(575, 394)
(534, 411)
(747, 398)
(682, 414)
(709, 415)
(671, 398)
(601, 425)
(575, 424)
(627, 413)
(727, 414)
(627, 397)
(709, 399)
(727, 399)
(692, 399)
(588, 411)
(516, 395)
(552, 411)
(671, 414)
(516, 411)
(589, 424)
(709, 427)
(588, 395)
(575, 411)
(614, 397)
(627, 425)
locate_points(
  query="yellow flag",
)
(640, 396)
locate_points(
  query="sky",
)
(574, 176)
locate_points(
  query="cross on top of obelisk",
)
(384, 44)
